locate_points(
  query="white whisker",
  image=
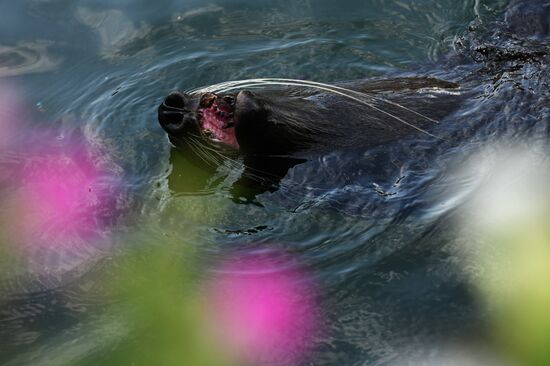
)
(355, 95)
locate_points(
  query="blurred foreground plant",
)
(154, 292)
(509, 258)
(516, 287)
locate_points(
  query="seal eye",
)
(229, 99)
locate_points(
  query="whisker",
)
(366, 95)
(204, 155)
(291, 83)
(237, 84)
(214, 154)
(229, 85)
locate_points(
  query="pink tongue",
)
(214, 123)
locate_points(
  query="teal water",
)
(388, 285)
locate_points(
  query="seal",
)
(298, 119)
(274, 129)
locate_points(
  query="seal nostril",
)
(176, 100)
(176, 115)
(169, 119)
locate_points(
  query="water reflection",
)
(28, 58)
(113, 27)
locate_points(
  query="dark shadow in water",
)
(262, 174)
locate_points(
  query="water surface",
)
(374, 228)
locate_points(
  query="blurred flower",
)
(518, 292)
(153, 316)
(59, 201)
(64, 195)
(507, 254)
(263, 309)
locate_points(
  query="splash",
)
(264, 310)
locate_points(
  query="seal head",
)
(251, 123)
(210, 117)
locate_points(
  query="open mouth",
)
(216, 118)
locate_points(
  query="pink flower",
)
(264, 310)
(62, 204)
(64, 196)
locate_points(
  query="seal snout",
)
(176, 100)
(175, 114)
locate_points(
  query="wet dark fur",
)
(303, 120)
